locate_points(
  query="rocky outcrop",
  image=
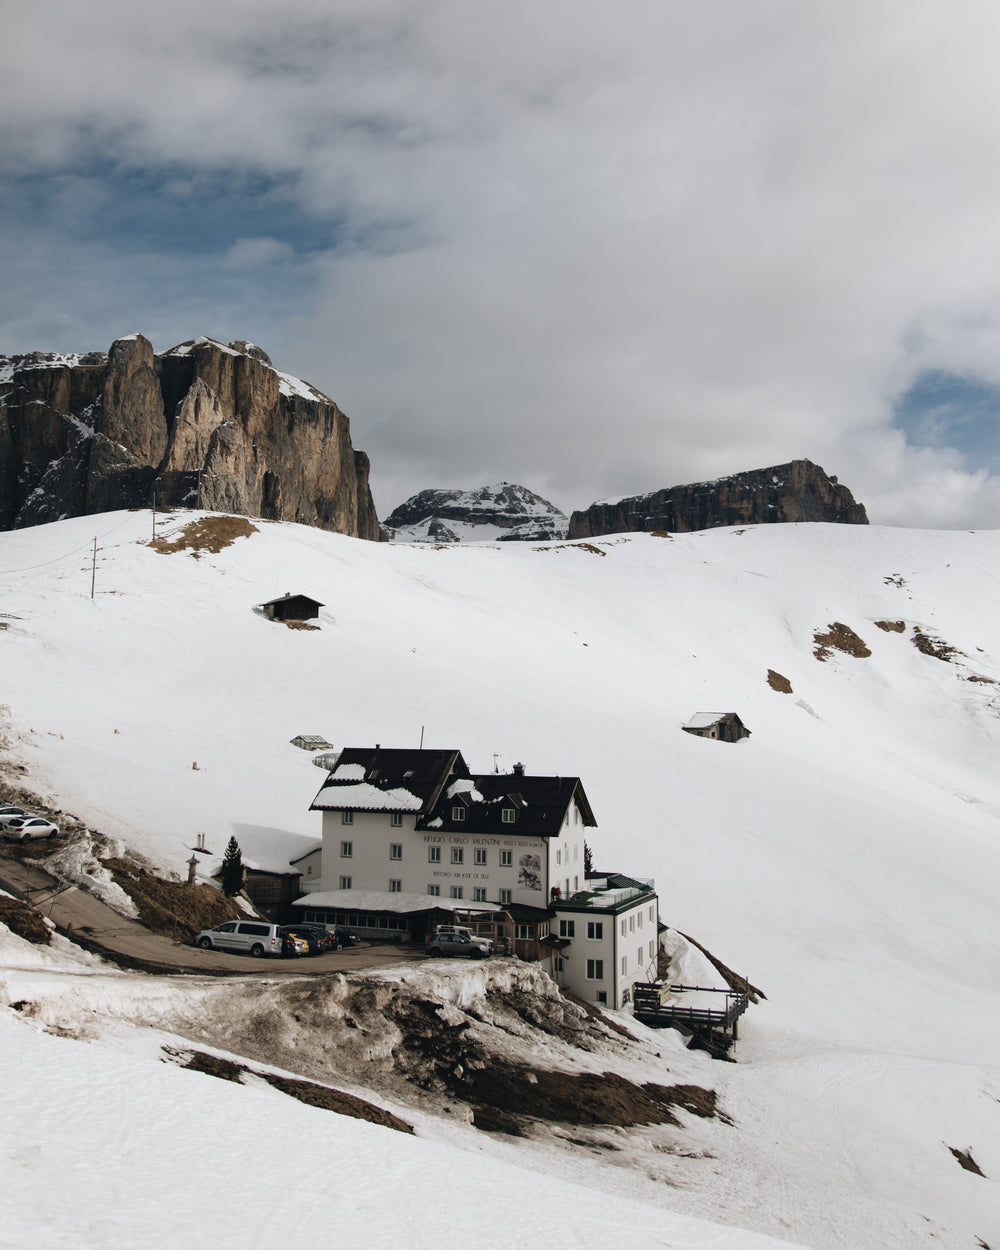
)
(501, 513)
(202, 425)
(799, 491)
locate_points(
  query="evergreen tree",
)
(588, 860)
(232, 868)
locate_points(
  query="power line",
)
(76, 551)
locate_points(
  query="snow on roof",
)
(384, 900)
(464, 785)
(704, 720)
(360, 796)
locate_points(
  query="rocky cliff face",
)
(501, 513)
(799, 491)
(202, 425)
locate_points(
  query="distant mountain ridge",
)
(797, 491)
(501, 513)
(204, 424)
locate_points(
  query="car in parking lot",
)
(9, 812)
(293, 946)
(439, 944)
(347, 937)
(255, 937)
(319, 938)
(21, 828)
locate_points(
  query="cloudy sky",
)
(596, 249)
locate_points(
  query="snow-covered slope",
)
(845, 857)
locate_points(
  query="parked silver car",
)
(255, 937)
(456, 944)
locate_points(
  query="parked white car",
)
(9, 812)
(21, 828)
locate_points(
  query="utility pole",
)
(154, 515)
(93, 570)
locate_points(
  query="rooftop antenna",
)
(421, 737)
(496, 762)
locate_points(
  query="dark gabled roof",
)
(389, 779)
(287, 598)
(618, 881)
(524, 913)
(540, 804)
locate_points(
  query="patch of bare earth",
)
(211, 533)
(935, 647)
(777, 682)
(305, 1091)
(892, 627)
(839, 637)
(173, 908)
(966, 1160)
(594, 551)
(300, 625)
(391, 1036)
(25, 921)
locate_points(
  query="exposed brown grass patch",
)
(987, 680)
(892, 627)
(732, 979)
(594, 551)
(211, 533)
(935, 647)
(966, 1160)
(25, 921)
(305, 1091)
(173, 908)
(660, 533)
(777, 682)
(839, 637)
(300, 625)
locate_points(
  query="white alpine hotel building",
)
(412, 837)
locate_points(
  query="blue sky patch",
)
(947, 410)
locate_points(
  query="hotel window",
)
(395, 886)
(651, 915)
(506, 859)
(624, 928)
(595, 969)
(624, 965)
(395, 850)
(576, 851)
(456, 891)
(345, 883)
(631, 923)
(543, 930)
(458, 814)
(651, 950)
(434, 890)
(396, 820)
(505, 896)
(346, 850)
(479, 894)
(638, 958)
(567, 928)
(434, 855)
(524, 932)
(576, 885)
(638, 919)
(558, 857)
(558, 963)
(480, 854)
(508, 815)
(347, 818)
(595, 930)
(602, 996)
(457, 856)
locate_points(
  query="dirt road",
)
(95, 926)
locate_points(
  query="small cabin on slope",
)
(723, 726)
(292, 608)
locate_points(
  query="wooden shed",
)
(723, 726)
(292, 608)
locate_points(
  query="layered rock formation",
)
(799, 491)
(202, 425)
(501, 513)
